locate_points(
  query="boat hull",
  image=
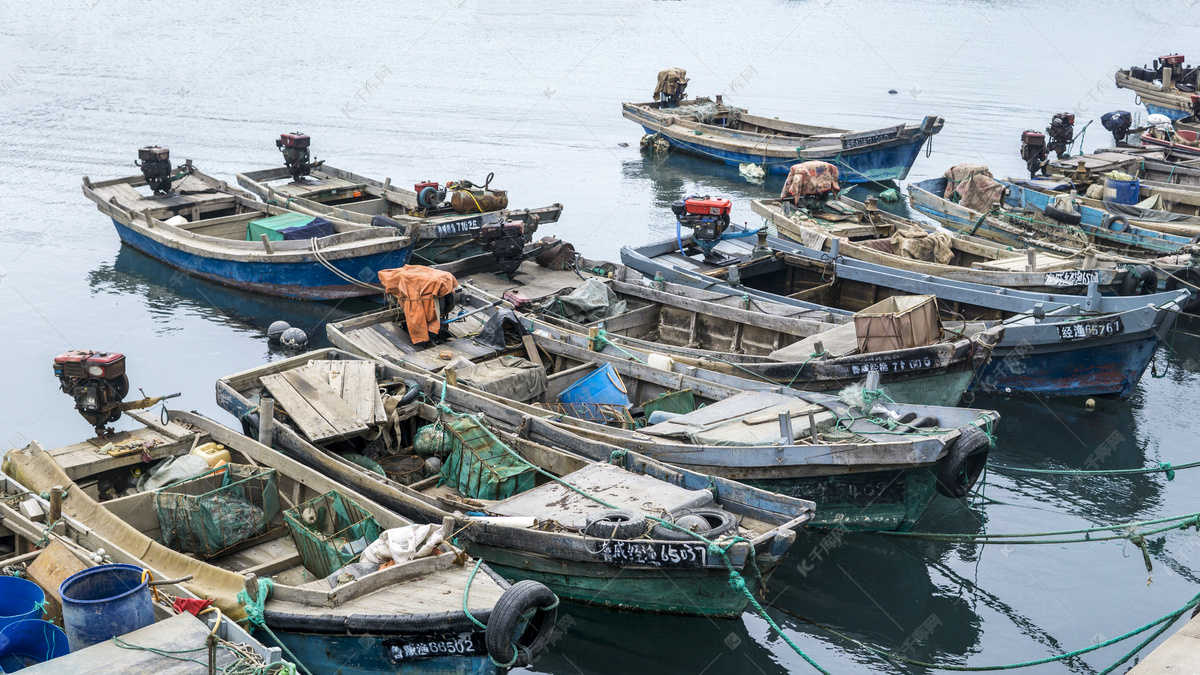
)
(694, 592)
(874, 501)
(373, 654)
(302, 281)
(1109, 369)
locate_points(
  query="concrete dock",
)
(1179, 655)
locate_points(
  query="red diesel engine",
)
(97, 382)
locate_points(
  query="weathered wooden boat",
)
(445, 221)
(720, 132)
(1165, 89)
(1053, 345)
(408, 617)
(862, 475)
(1142, 214)
(201, 226)
(727, 334)
(667, 572)
(49, 556)
(876, 236)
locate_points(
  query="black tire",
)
(1062, 216)
(720, 523)
(907, 418)
(615, 524)
(921, 422)
(508, 613)
(1189, 279)
(960, 469)
(1140, 280)
(1112, 220)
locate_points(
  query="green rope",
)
(1163, 467)
(467, 594)
(602, 339)
(256, 614)
(241, 666)
(1171, 523)
(736, 581)
(1166, 620)
(802, 365)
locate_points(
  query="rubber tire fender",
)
(1061, 216)
(1140, 280)
(615, 524)
(1113, 220)
(507, 614)
(960, 469)
(721, 522)
(1188, 277)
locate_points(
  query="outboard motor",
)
(1171, 69)
(1118, 122)
(1062, 132)
(97, 382)
(671, 87)
(294, 147)
(155, 162)
(707, 217)
(1034, 151)
(506, 242)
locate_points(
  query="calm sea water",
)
(531, 90)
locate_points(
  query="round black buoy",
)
(293, 338)
(276, 330)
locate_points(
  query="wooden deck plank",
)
(1179, 655)
(306, 417)
(327, 403)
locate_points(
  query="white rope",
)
(329, 266)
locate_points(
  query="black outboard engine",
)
(506, 242)
(155, 162)
(1118, 122)
(707, 217)
(1034, 151)
(1062, 132)
(294, 147)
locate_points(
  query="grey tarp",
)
(750, 418)
(1147, 215)
(508, 376)
(592, 301)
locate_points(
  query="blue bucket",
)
(20, 600)
(103, 602)
(602, 386)
(30, 642)
(1122, 191)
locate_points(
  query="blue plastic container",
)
(601, 387)
(20, 600)
(103, 602)
(1122, 191)
(30, 642)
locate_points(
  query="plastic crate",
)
(212, 513)
(321, 527)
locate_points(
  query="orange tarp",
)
(418, 289)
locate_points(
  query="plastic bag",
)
(172, 470)
(402, 544)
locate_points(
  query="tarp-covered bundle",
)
(810, 178)
(592, 301)
(418, 289)
(670, 81)
(509, 376)
(917, 245)
(972, 186)
(288, 227)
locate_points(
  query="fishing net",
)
(480, 466)
(323, 527)
(212, 513)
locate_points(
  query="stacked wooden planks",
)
(329, 400)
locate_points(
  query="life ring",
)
(720, 522)
(1065, 217)
(520, 599)
(960, 469)
(1139, 280)
(615, 524)
(1189, 278)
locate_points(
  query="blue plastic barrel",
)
(103, 602)
(30, 642)
(602, 386)
(20, 599)
(1122, 191)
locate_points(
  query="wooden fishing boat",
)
(49, 556)
(973, 259)
(1053, 345)
(1172, 218)
(716, 333)
(723, 133)
(201, 226)
(667, 572)
(444, 221)
(407, 616)
(1159, 88)
(862, 476)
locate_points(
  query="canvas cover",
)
(288, 227)
(810, 178)
(669, 81)
(748, 419)
(417, 288)
(898, 322)
(592, 301)
(972, 186)
(918, 245)
(508, 376)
